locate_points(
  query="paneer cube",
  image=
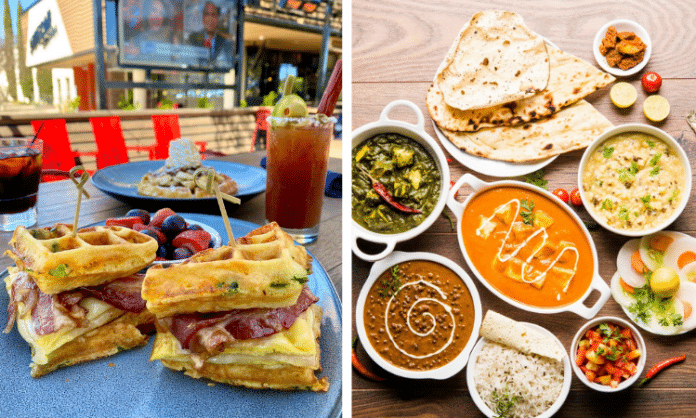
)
(561, 276)
(542, 219)
(403, 156)
(485, 227)
(505, 213)
(415, 177)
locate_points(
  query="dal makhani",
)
(527, 247)
(419, 315)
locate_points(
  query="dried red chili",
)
(382, 191)
(360, 367)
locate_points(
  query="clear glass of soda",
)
(20, 174)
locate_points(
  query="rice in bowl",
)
(633, 181)
(534, 381)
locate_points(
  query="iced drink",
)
(20, 173)
(297, 159)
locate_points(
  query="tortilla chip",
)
(570, 129)
(571, 79)
(495, 59)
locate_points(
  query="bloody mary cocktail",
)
(297, 159)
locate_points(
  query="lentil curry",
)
(527, 247)
(402, 169)
(419, 315)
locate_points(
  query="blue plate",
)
(121, 181)
(129, 385)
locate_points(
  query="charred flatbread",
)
(495, 59)
(569, 129)
(571, 79)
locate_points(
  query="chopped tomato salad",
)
(608, 354)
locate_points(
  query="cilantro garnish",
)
(232, 288)
(648, 303)
(503, 403)
(627, 175)
(607, 204)
(651, 143)
(607, 151)
(646, 201)
(390, 285)
(653, 161)
(675, 193)
(623, 213)
(537, 178)
(279, 285)
(526, 212)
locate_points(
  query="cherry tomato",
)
(561, 194)
(651, 82)
(575, 197)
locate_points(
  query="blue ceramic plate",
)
(121, 181)
(128, 385)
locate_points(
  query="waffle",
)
(58, 261)
(177, 183)
(264, 270)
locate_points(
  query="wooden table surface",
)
(397, 46)
(57, 204)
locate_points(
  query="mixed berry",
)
(177, 239)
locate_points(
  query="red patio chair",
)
(167, 129)
(57, 153)
(111, 145)
(261, 125)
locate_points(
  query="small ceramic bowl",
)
(622, 25)
(446, 371)
(418, 134)
(639, 341)
(476, 397)
(664, 136)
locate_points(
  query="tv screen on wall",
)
(185, 34)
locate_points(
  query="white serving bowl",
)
(446, 371)
(622, 25)
(471, 383)
(639, 341)
(418, 134)
(578, 307)
(659, 133)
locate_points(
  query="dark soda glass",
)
(20, 173)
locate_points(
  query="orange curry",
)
(527, 247)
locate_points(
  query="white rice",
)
(536, 381)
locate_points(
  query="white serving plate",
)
(622, 25)
(578, 307)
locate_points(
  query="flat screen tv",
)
(184, 34)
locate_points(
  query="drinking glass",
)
(20, 173)
(297, 160)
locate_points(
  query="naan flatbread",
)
(495, 59)
(571, 79)
(569, 129)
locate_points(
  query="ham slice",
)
(210, 331)
(50, 313)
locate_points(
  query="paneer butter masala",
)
(419, 315)
(527, 247)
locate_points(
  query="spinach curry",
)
(408, 173)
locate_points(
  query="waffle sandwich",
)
(241, 315)
(77, 298)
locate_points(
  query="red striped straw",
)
(332, 91)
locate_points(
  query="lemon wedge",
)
(623, 94)
(656, 108)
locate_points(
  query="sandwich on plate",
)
(76, 297)
(240, 314)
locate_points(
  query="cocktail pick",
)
(81, 191)
(210, 185)
(36, 135)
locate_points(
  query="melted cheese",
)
(296, 346)
(98, 314)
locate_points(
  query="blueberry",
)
(163, 251)
(194, 227)
(142, 214)
(152, 234)
(181, 253)
(173, 225)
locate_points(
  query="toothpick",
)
(81, 191)
(211, 186)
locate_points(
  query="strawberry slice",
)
(126, 221)
(160, 237)
(138, 227)
(160, 216)
(193, 240)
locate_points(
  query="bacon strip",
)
(210, 331)
(123, 293)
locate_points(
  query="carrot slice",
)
(637, 263)
(687, 308)
(660, 242)
(625, 286)
(685, 258)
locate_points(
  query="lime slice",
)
(623, 94)
(656, 108)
